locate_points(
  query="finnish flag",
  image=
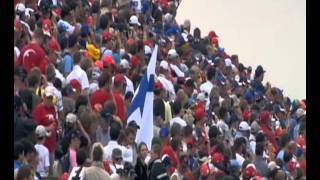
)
(141, 108)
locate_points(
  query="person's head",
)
(77, 57)
(97, 152)
(29, 150)
(25, 173)
(72, 41)
(239, 145)
(114, 131)
(133, 124)
(176, 108)
(164, 135)
(38, 36)
(176, 145)
(259, 149)
(119, 83)
(190, 86)
(284, 140)
(18, 151)
(74, 139)
(155, 151)
(116, 156)
(142, 150)
(104, 80)
(131, 135)
(197, 33)
(176, 131)
(50, 73)
(33, 80)
(106, 119)
(82, 156)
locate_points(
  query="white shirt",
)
(60, 76)
(127, 154)
(70, 28)
(176, 69)
(74, 173)
(240, 159)
(168, 86)
(58, 95)
(206, 87)
(129, 86)
(114, 168)
(80, 75)
(178, 120)
(43, 159)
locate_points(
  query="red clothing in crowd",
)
(33, 55)
(100, 97)
(270, 135)
(44, 115)
(120, 105)
(167, 149)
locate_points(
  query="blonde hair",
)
(97, 152)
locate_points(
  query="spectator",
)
(167, 149)
(259, 162)
(96, 171)
(265, 124)
(141, 166)
(74, 145)
(177, 112)
(103, 94)
(156, 167)
(116, 164)
(25, 173)
(77, 172)
(43, 167)
(131, 136)
(18, 157)
(103, 130)
(119, 86)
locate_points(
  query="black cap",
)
(259, 71)
(133, 124)
(106, 115)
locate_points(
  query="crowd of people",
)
(78, 64)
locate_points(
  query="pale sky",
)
(267, 32)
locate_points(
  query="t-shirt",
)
(80, 75)
(73, 158)
(178, 120)
(120, 105)
(43, 159)
(32, 55)
(44, 115)
(100, 97)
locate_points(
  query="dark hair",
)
(175, 130)
(287, 157)
(72, 41)
(259, 149)
(140, 146)
(213, 132)
(57, 83)
(284, 140)
(129, 130)
(81, 156)
(50, 72)
(33, 79)
(28, 147)
(128, 95)
(103, 21)
(95, 8)
(82, 100)
(114, 131)
(238, 142)
(222, 112)
(65, 11)
(18, 150)
(157, 149)
(77, 57)
(175, 144)
(211, 73)
(24, 172)
(104, 79)
(187, 130)
(64, 42)
(260, 137)
(176, 107)
(197, 33)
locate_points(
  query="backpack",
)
(65, 162)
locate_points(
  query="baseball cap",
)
(124, 64)
(172, 54)
(134, 20)
(244, 126)
(133, 124)
(41, 131)
(147, 50)
(106, 36)
(134, 60)
(272, 166)
(217, 158)
(212, 34)
(20, 7)
(259, 71)
(119, 78)
(164, 132)
(251, 170)
(164, 64)
(255, 128)
(46, 25)
(106, 115)
(75, 85)
(71, 118)
(246, 114)
(108, 60)
(199, 114)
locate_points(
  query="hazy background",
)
(267, 32)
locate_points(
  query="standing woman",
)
(141, 166)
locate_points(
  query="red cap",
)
(119, 78)
(158, 85)
(217, 158)
(246, 115)
(134, 60)
(251, 170)
(53, 44)
(264, 117)
(108, 60)
(130, 41)
(212, 34)
(75, 84)
(199, 113)
(106, 36)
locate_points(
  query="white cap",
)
(71, 118)
(228, 62)
(244, 126)
(20, 7)
(124, 64)
(300, 112)
(272, 166)
(49, 91)
(41, 131)
(134, 21)
(164, 64)
(172, 53)
(201, 96)
(147, 50)
(168, 17)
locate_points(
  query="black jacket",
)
(141, 170)
(158, 171)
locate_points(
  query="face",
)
(76, 143)
(131, 139)
(104, 125)
(153, 155)
(144, 151)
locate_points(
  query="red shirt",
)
(270, 135)
(100, 97)
(45, 116)
(33, 55)
(167, 149)
(120, 105)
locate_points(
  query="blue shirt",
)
(67, 64)
(280, 154)
(16, 164)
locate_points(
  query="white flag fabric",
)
(141, 108)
